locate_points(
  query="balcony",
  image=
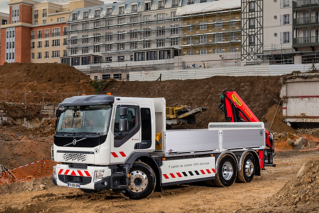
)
(306, 3)
(306, 41)
(306, 20)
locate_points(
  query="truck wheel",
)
(227, 172)
(247, 172)
(142, 181)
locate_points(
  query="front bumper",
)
(114, 177)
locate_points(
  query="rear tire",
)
(227, 172)
(247, 172)
(142, 181)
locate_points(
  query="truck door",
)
(124, 142)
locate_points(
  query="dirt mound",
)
(37, 83)
(274, 120)
(259, 93)
(34, 185)
(303, 189)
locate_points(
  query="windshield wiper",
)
(74, 142)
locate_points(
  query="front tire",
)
(247, 172)
(226, 172)
(142, 181)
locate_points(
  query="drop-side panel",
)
(243, 138)
(191, 140)
(187, 169)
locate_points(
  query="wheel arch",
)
(257, 162)
(149, 160)
(222, 155)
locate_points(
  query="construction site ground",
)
(257, 196)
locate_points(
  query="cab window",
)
(131, 118)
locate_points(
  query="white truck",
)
(121, 143)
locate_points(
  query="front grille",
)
(75, 179)
(74, 157)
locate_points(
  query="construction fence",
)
(27, 97)
(42, 168)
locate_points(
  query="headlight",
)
(98, 175)
(54, 172)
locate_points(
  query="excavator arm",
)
(236, 110)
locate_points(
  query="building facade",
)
(4, 19)
(36, 31)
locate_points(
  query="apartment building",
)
(306, 30)
(36, 31)
(4, 19)
(124, 36)
(211, 34)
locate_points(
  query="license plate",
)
(74, 185)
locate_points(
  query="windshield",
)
(88, 119)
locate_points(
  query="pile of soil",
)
(259, 93)
(21, 111)
(34, 185)
(274, 120)
(26, 82)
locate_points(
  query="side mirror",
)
(56, 124)
(123, 111)
(123, 125)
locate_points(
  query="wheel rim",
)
(249, 168)
(227, 170)
(138, 181)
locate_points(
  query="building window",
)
(121, 10)
(139, 56)
(108, 59)
(44, 21)
(190, 1)
(39, 44)
(97, 37)
(285, 3)
(134, 8)
(56, 43)
(286, 37)
(39, 55)
(97, 14)
(46, 54)
(151, 55)
(190, 52)
(108, 36)
(252, 23)
(65, 53)
(97, 24)
(65, 30)
(46, 44)
(85, 15)
(174, 41)
(120, 59)
(190, 40)
(74, 40)
(202, 25)
(218, 37)
(109, 11)
(32, 35)
(32, 56)
(164, 54)
(203, 52)
(85, 50)
(161, 5)
(74, 27)
(218, 50)
(160, 17)
(85, 26)
(109, 23)
(39, 33)
(252, 6)
(120, 47)
(47, 33)
(161, 31)
(286, 19)
(106, 76)
(133, 34)
(202, 39)
(161, 43)
(233, 36)
(55, 32)
(118, 76)
(147, 19)
(190, 28)
(133, 45)
(74, 16)
(108, 47)
(174, 29)
(32, 45)
(85, 39)
(65, 41)
(36, 15)
(146, 32)
(233, 23)
(147, 6)
(134, 20)
(96, 48)
(55, 54)
(121, 21)
(146, 44)
(233, 49)
(251, 40)
(62, 19)
(120, 35)
(218, 24)
(175, 3)
(74, 51)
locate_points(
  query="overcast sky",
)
(5, 8)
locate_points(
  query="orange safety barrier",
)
(38, 169)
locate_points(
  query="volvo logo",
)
(74, 142)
